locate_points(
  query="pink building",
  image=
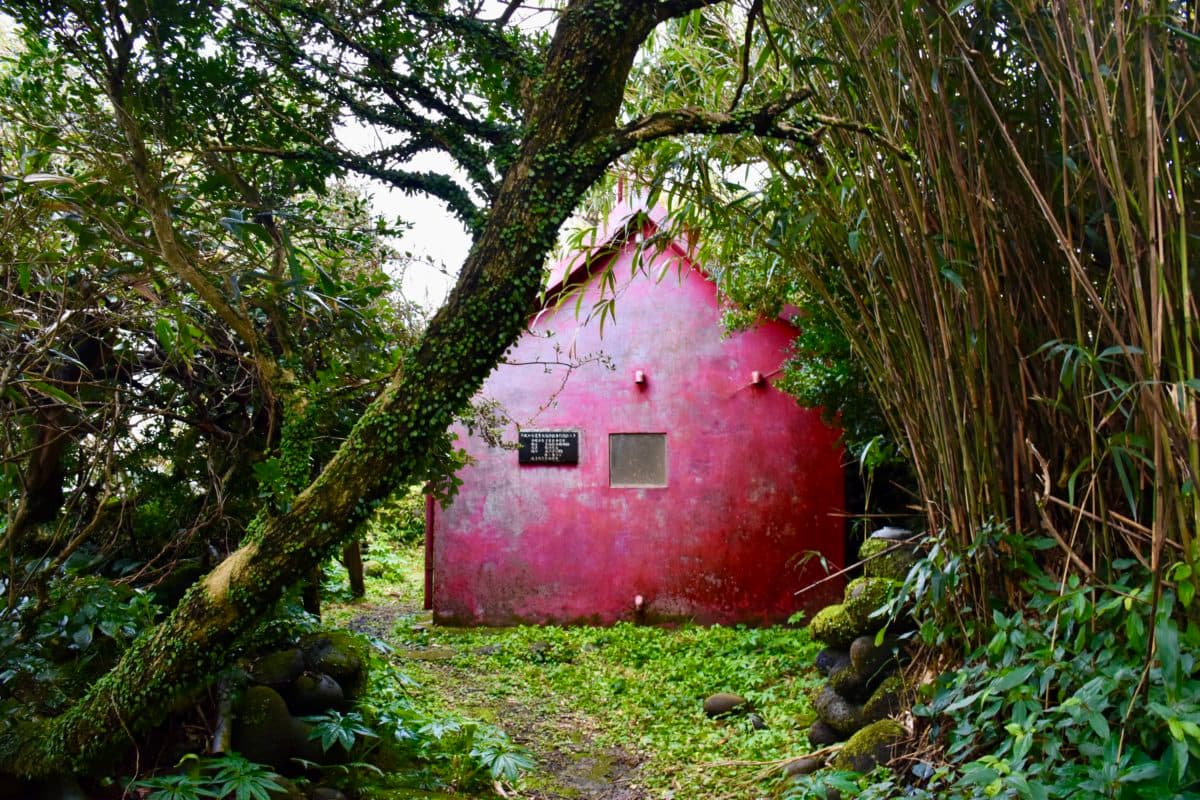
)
(673, 483)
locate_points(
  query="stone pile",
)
(324, 671)
(864, 688)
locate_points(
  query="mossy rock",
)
(265, 731)
(863, 597)
(314, 693)
(875, 744)
(339, 654)
(833, 627)
(851, 684)
(262, 730)
(278, 669)
(880, 560)
(837, 712)
(373, 569)
(830, 660)
(872, 659)
(885, 701)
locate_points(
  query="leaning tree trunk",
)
(584, 80)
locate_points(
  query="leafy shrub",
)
(396, 743)
(400, 519)
(225, 776)
(85, 623)
(1059, 699)
(1062, 702)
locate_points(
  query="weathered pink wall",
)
(753, 480)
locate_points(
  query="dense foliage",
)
(1059, 701)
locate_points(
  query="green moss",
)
(886, 700)
(863, 597)
(849, 683)
(832, 626)
(837, 712)
(870, 747)
(881, 561)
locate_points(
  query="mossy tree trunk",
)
(570, 138)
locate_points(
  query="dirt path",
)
(570, 765)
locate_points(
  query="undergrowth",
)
(644, 688)
(1085, 691)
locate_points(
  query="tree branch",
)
(762, 121)
(432, 183)
(755, 11)
(509, 10)
(176, 256)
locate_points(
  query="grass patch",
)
(578, 695)
(598, 706)
(644, 687)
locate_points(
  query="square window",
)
(637, 460)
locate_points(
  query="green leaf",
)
(954, 279)
(1012, 679)
(45, 178)
(54, 393)
(1145, 771)
(164, 331)
(1187, 36)
(1187, 593)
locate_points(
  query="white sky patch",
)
(437, 241)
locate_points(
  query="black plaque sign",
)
(548, 447)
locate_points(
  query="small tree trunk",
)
(352, 558)
(310, 595)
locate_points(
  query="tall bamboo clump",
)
(1023, 285)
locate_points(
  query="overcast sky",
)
(437, 241)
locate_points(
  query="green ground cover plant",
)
(592, 691)
(645, 687)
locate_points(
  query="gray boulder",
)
(725, 703)
(839, 713)
(278, 669)
(805, 765)
(821, 735)
(313, 693)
